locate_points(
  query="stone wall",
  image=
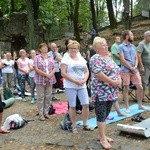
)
(15, 31)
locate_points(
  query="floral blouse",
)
(99, 89)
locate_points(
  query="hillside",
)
(138, 28)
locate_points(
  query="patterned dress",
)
(99, 89)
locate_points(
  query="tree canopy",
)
(58, 17)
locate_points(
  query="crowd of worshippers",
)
(98, 73)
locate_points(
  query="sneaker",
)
(32, 101)
(41, 118)
(23, 100)
(47, 116)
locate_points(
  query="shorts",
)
(102, 109)
(134, 78)
(146, 76)
(72, 93)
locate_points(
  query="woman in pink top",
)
(23, 67)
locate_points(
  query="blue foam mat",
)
(133, 108)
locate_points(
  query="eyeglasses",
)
(73, 48)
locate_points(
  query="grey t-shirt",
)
(144, 48)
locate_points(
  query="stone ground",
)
(48, 135)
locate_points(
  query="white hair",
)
(146, 33)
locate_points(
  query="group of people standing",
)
(109, 71)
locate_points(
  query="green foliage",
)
(137, 8)
(5, 6)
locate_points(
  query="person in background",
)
(93, 34)
(75, 73)
(105, 83)
(56, 56)
(115, 51)
(44, 79)
(31, 75)
(15, 58)
(129, 71)
(143, 51)
(23, 68)
(116, 59)
(85, 38)
(7, 70)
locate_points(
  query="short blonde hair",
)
(73, 42)
(32, 51)
(8, 54)
(22, 51)
(98, 40)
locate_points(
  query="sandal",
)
(74, 130)
(87, 128)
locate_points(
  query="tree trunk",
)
(126, 18)
(94, 19)
(76, 20)
(71, 15)
(112, 19)
(12, 6)
(35, 4)
(31, 30)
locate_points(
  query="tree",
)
(126, 18)
(12, 6)
(94, 19)
(76, 20)
(35, 4)
(112, 19)
(31, 31)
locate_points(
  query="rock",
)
(130, 147)
(65, 143)
(52, 143)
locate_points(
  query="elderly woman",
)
(105, 80)
(44, 79)
(75, 72)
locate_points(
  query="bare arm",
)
(19, 67)
(59, 57)
(140, 60)
(125, 63)
(31, 68)
(42, 73)
(116, 55)
(104, 78)
(65, 75)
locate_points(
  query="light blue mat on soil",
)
(113, 116)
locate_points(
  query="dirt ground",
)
(48, 135)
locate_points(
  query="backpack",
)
(7, 93)
(14, 122)
(65, 124)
